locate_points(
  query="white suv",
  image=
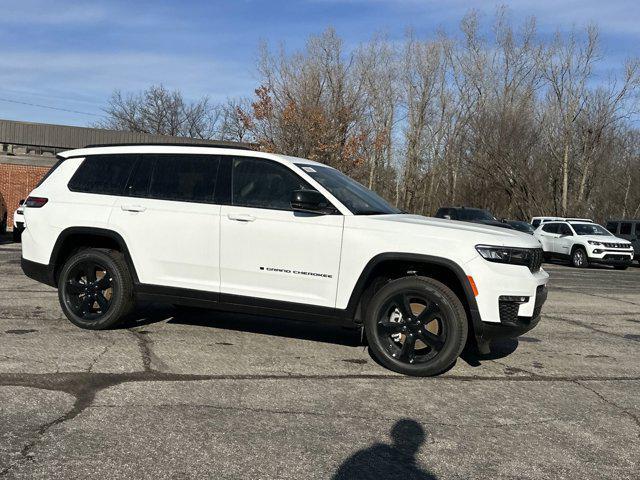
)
(240, 230)
(583, 243)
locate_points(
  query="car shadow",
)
(280, 327)
(499, 349)
(396, 460)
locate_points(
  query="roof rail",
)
(221, 144)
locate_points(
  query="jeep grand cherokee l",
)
(240, 230)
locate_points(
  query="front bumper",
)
(514, 326)
(610, 256)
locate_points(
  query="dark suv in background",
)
(629, 230)
(475, 215)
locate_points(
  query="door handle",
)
(133, 208)
(239, 217)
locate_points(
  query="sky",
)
(60, 60)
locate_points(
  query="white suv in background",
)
(239, 230)
(583, 243)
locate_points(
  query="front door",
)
(169, 221)
(564, 241)
(268, 251)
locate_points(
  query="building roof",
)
(65, 137)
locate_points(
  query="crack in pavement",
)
(149, 358)
(630, 414)
(84, 386)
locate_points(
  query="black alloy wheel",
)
(95, 288)
(89, 289)
(416, 326)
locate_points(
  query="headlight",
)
(593, 242)
(514, 256)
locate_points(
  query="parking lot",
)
(206, 394)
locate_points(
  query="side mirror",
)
(309, 201)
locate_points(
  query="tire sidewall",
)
(118, 299)
(457, 327)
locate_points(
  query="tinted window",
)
(264, 184)
(475, 214)
(106, 174)
(625, 228)
(138, 185)
(535, 223)
(564, 229)
(612, 226)
(550, 227)
(189, 178)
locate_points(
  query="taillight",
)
(35, 202)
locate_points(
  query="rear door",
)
(170, 222)
(268, 251)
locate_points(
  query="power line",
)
(49, 107)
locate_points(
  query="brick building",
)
(28, 150)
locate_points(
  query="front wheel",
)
(579, 258)
(416, 326)
(95, 289)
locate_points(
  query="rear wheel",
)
(620, 267)
(95, 289)
(416, 326)
(579, 258)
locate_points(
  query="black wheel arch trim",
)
(471, 304)
(99, 232)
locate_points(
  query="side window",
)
(187, 178)
(138, 185)
(536, 223)
(550, 228)
(612, 227)
(263, 184)
(565, 230)
(625, 228)
(105, 174)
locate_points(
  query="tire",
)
(620, 267)
(3, 224)
(579, 258)
(427, 344)
(16, 235)
(87, 299)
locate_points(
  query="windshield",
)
(522, 226)
(590, 229)
(474, 214)
(357, 198)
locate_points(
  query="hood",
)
(480, 233)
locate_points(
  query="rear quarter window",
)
(102, 174)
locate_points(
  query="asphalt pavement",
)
(175, 394)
